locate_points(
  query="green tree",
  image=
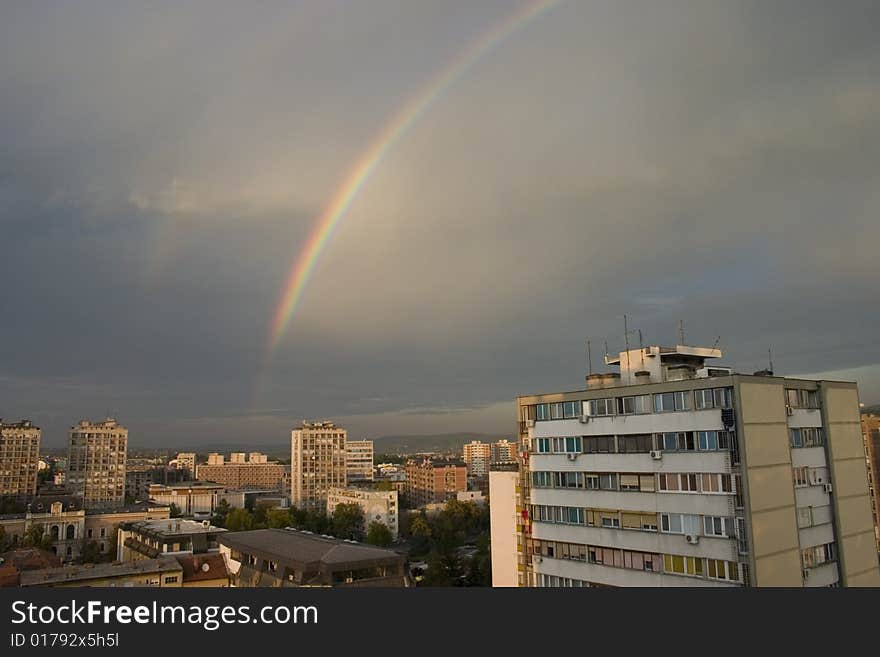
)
(385, 485)
(347, 521)
(174, 510)
(278, 518)
(443, 570)
(239, 520)
(37, 537)
(220, 513)
(379, 534)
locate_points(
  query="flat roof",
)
(304, 547)
(171, 527)
(98, 571)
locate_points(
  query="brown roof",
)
(30, 559)
(201, 567)
(8, 576)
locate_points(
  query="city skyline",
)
(162, 171)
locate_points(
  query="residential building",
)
(317, 457)
(96, 463)
(477, 456)
(503, 510)
(19, 459)
(186, 461)
(504, 451)
(431, 481)
(291, 558)
(377, 505)
(148, 539)
(359, 460)
(197, 499)
(253, 471)
(162, 572)
(871, 437)
(672, 472)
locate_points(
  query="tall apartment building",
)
(477, 456)
(253, 472)
(674, 473)
(504, 451)
(187, 461)
(96, 463)
(19, 458)
(871, 437)
(359, 460)
(433, 481)
(317, 462)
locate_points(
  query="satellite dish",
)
(205, 567)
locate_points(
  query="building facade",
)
(152, 573)
(359, 460)
(433, 481)
(871, 438)
(317, 462)
(674, 473)
(377, 505)
(96, 463)
(187, 461)
(19, 459)
(197, 499)
(477, 456)
(148, 539)
(254, 472)
(504, 451)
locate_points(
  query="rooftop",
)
(289, 544)
(99, 571)
(171, 527)
(201, 567)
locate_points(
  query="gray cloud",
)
(161, 167)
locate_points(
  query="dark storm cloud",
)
(162, 166)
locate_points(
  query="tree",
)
(4, 544)
(220, 513)
(278, 518)
(37, 537)
(239, 520)
(347, 521)
(379, 534)
(443, 570)
(385, 485)
(174, 510)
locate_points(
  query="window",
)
(573, 479)
(717, 569)
(556, 411)
(610, 520)
(591, 481)
(680, 523)
(598, 444)
(608, 481)
(802, 398)
(801, 476)
(639, 444)
(714, 398)
(541, 479)
(804, 517)
(171, 580)
(795, 438)
(571, 409)
(682, 400)
(646, 483)
(818, 476)
(543, 445)
(716, 526)
(710, 483)
(707, 440)
(629, 482)
(678, 441)
(683, 565)
(542, 412)
(664, 402)
(598, 407)
(690, 483)
(668, 482)
(573, 444)
(636, 404)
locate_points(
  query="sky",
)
(162, 166)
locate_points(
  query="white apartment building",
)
(187, 461)
(672, 473)
(504, 451)
(359, 460)
(477, 456)
(195, 499)
(96, 463)
(317, 463)
(378, 505)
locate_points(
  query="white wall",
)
(502, 517)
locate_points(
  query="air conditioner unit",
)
(572, 456)
(656, 454)
(789, 410)
(530, 423)
(693, 539)
(827, 488)
(585, 419)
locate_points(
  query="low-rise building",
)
(377, 505)
(162, 572)
(431, 481)
(291, 558)
(197, 499)
(172, 537)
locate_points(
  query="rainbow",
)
(304, 265)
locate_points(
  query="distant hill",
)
(443, 442)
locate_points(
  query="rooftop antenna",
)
(589, 359)
(770, 357)
(717, 340)
(681, 332)
(641, 349)
(626, 341)
(606, 348)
